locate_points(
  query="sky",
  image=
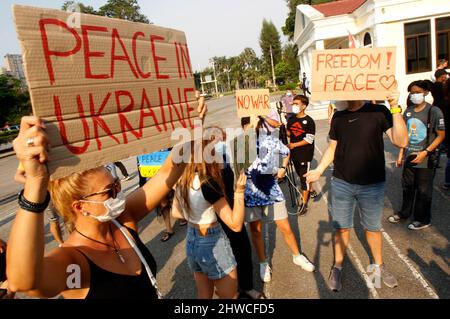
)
(212, 27)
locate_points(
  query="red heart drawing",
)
(388, 81)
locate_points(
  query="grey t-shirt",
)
(417, 124)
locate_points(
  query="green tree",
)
(14, 101)
(290, 56)
(120, 9)
(270, 38)
(289, 25)
(285, 72)
(83, 8)
(123, 9)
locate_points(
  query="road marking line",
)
(442, 193)
(413, 270)
(358, 262)
(402, 257)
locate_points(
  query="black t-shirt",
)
(437, 91)
(211, 191)
(302, 129)
(359, 157)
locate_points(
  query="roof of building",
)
(335, 8)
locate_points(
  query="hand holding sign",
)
(108, 88)
(353, 74)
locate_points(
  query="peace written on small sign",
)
(353, 74)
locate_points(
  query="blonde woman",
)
(103, 249)
(199, 196)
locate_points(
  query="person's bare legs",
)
(257, 240)
(122, 168)
(375, 241)
(205, 286)
(227, 287)
(285, 228)
(55, 230)
(342, 237)
(167, 222)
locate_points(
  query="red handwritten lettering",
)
(48, 53)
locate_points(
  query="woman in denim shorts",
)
(198, 197)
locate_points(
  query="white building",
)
(13, 65)
(420, 29)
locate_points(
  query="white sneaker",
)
(303, 262)
(265, 272)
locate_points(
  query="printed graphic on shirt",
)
(297, 129)
(417, 131)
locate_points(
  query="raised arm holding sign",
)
(108, 89)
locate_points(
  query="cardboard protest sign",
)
(108, 88)
(252, 102)
(150, 164)
(353, 74)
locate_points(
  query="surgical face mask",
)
(289, 93)
(416, 98)
(341, 105)
(114, 208)
(220, 149)
(295, 109)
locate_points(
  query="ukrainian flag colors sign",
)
(150, 164)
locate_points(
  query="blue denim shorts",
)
(344, 197)
(210, 254)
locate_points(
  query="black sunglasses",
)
(112, 190)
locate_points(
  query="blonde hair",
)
(66, 190)
(207, 172)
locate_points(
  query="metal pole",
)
(273, 70)
(215, 78)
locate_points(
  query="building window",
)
(418, 47)
(367, 40)
(443, 37)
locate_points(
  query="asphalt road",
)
(420, 260)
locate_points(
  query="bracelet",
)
(396, 110)
(33, 207)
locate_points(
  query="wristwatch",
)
(396, 110)
(428, 152)
(33, 207)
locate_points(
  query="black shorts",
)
(301, 168)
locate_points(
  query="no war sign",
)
(353, 74)
(252, 102)
(108, 88)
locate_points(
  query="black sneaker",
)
(335, 279)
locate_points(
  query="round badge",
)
(305, 122)
(408, 114)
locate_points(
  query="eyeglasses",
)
(112, 190)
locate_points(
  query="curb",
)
(7, 154)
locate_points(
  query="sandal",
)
(166, 236)
(253, 294)
(183, 222)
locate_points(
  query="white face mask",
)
(295, 109)
(416, 98)
(341, 105)
(289, 94)
(114, 208)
